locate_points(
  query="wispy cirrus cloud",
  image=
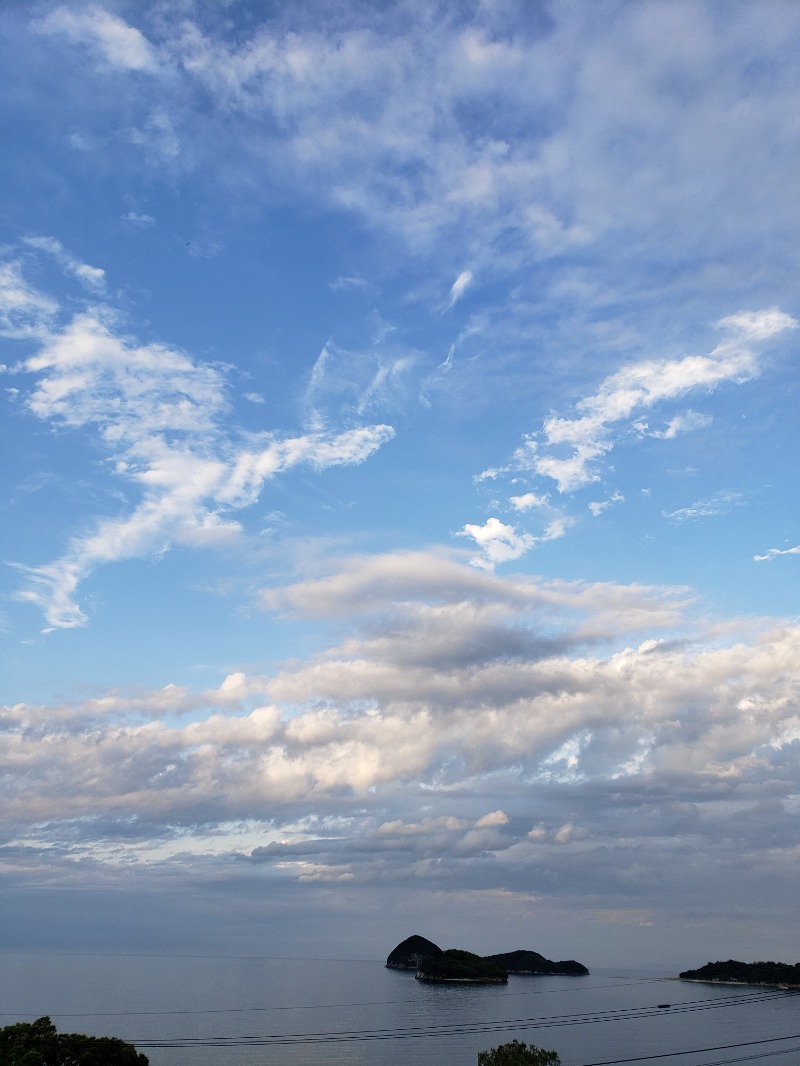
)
(116, 41)
(719, 504)
(575, 452)
(92, 278)
(382, 122)
(161, 416)
(589, 436)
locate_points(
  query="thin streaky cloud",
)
(161, 416)
(590, 435)
(719, 504)
(773, 553)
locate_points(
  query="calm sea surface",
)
(288, 1012)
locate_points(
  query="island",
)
(430, 963)
(410, 952)
(733, 972)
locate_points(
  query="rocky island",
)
(410, 952)
(430, 963)
(733, 972)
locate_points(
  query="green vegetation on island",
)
(515, 1053)
(456, 965)
(40, 1044)
(746, 973)
(531, 962)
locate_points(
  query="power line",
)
(703, 1050)
(460, 1029)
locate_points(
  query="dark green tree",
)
(516, 1053)
(39, 1044)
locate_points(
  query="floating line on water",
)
(619, 983)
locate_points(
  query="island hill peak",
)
(431, 963)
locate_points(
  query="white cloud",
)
(626, 393)
(527, 501)
(598, 506)
(687, 422)
(392, 719)
(92, 278)
(492, 819)
(351, 281)
(347, 383)
(121, 44)
(382, 120)
(141, 220)
(772, 553)
(24, 312)
(719, 504)
(500, 543)
(160, 414)
(459, 287)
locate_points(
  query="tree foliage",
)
(457, 965)
(39, 1044)
(516, 1053)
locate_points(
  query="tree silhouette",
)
(39, 1044)
(516, 1053)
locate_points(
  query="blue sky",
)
(400, 498)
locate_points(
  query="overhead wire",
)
(705, 1050)
(462, 1028)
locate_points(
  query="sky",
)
(400, 499)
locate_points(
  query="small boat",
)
(663, 1005)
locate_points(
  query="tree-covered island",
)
(460, 967)
(747, 973)
(431, 963)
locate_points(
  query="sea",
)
(204, 1011)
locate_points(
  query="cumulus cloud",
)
(160, 414)
(499, 542)
(598, 506)
(413, 761)
(527, 501)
